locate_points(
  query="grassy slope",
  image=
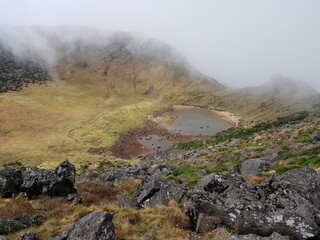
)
(46, 124)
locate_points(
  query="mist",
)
(239, 43)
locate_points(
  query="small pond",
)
(196, 122)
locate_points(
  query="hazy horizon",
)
(239, 43)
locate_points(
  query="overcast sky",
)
(240, 43)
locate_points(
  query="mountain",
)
(97, 84)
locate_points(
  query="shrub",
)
(94, 192)
(16, 207)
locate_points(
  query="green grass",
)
(282, 170)
(309, 152)
(218, 169)
(186, 170)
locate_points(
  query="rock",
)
(271, 158)
(162, 170)
(3, 237)
(155, 191)
(282, 204)
(316, 135)
(149, 237)
(94, 226)
(253, 167)
(194, 236)
(127, 202)
(273, 236)
(132, 172)
(58, 182)
(21, 222)
(10, 182)
(305, 181)
(207, 223)
(216, 182)
(29, 236)
(74, 198)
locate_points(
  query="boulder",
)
(155, 191)
(216, 182)
(58, 182)
(207, 223)
(273, 236)
(127, 202)
(276, 205)
(10, 182)
(304, 181)
(94, 226)
(21, 222)
(132, 172)
(162, 170)
(271, 158)
(253, 167)
(29, 236)
(74, 198)
(3, 237)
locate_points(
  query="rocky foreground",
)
(282, 207)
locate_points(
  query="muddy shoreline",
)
(128, 148)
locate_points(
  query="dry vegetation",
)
(163, 222)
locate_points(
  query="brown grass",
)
(14, 207)
(162, 222)
(127, 186)
(256, 179)
(95, 193)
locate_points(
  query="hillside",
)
(101, 84)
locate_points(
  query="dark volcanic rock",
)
(207, 223)
(132, 172)
(10, 182)
(304, 181)
(162, 170)
(285, 204)
(29, 236)
(94, 226)
(273, 236)
(21, 222)
(253, 167)
(127, 202)
(155, 191)
(74, 198)
(59, 182)
(216, 182)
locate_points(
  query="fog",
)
(239, 43)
